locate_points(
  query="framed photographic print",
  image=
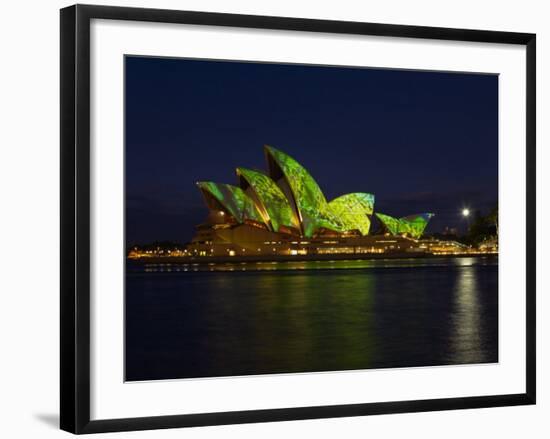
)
(267, 218)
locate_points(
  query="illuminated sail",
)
(290, 198)
(353, 210)
(272, 201)
(411, 225)
(417, 223)
(308, 201)
(230, 199)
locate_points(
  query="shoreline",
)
(182, 260)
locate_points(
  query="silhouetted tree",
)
(483, 227)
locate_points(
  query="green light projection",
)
(238, 204)
(391, 223)
(272, 198)
(312, 205)
(292, 198)
(353, 210)
(417, 223)
(412, 225)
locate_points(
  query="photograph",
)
(292, 218)
(266, 220)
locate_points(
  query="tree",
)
(483, 227)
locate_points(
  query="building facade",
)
(284, 212)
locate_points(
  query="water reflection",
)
(137, 267)
(290, 319)
(466, 317)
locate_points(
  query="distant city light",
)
(465, 212)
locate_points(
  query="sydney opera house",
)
(284, 212)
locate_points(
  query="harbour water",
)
(189, 321)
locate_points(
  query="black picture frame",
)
(75, 218)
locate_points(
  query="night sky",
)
(420, 141)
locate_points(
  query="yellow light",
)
(465, 212)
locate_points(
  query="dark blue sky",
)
(420, 141)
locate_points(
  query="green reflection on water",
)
(296, 320)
